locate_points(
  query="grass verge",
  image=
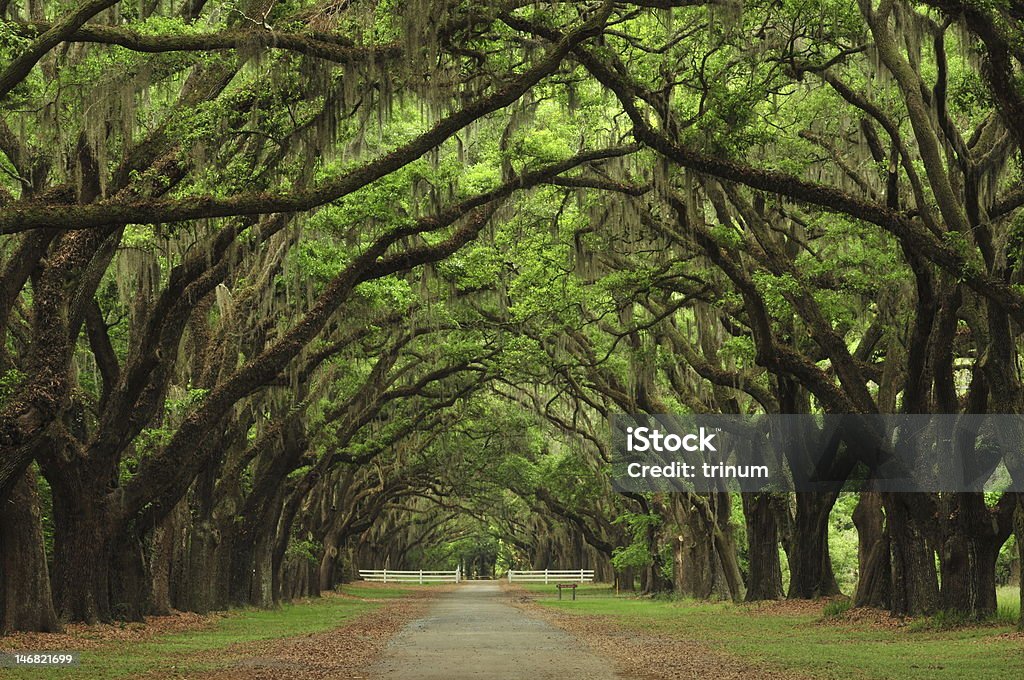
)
(794, 636)
(192, 652)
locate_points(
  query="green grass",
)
(1007, 614)
(1007, 605)
(582, 589)
(172, 652)
(836, 608)
(804, 642)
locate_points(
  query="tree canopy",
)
(293, 288)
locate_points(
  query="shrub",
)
(836, 608)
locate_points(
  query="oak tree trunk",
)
(915, 587)
(130, 581)
(81, 558)
(25, 602)
(874, 589)
(764, 580)
(810, 566)
(967, 557)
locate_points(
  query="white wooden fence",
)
(551, 575)
(420, 576)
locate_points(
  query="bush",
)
(836, 608)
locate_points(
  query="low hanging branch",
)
(23, 216)
(166, 475)
(914, 236)
(320, 45)
(18, 69)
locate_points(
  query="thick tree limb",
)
(320, 45)
(165, 476)
(913, 235)
(20, 217)
(18, 69)
(102, 349)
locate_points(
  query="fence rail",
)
(415, 576)
(550, 575)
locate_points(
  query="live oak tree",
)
(223, 138)
(289, 288)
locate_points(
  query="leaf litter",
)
(648, 656)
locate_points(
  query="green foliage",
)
(552, 309)
(152, 439)
(463, 551)
(304, 550)
(1008, 555)
(836, 608)
(634, 555)
(10, 382)
(842, 541)
(637, 553)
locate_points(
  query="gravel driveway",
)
(473, 633)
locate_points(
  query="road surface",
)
(474, 633)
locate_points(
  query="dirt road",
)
(474, 633)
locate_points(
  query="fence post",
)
(545, 577)
(510, 576)
(385, 574)
(581, 576)
(421, 577)
(458, 569)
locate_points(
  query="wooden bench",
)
(570, 586)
